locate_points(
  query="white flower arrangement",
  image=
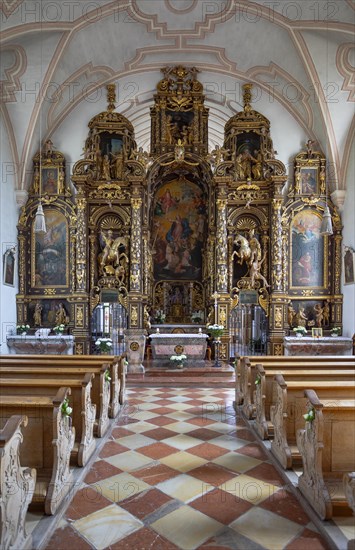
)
(197, 316)
(22, 328)
(104, 344)
(335, 331)
(300, 330)
(59, 329)
(215, 330)
(159, 316)
(310, 415)
(178, 358)
(66, 410)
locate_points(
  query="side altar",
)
(318, 346)
(54, 345)
(192, 345)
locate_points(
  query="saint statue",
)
(61, 315)
(37, 316)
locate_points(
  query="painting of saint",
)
(49, 264)
(179, 231)
(349, 267)
(49, 181)
(9, 267)
(307, 265)
(308, 181)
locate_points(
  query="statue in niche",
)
(257, 168)
(239, 172)
(61, 317)
(117, 165)
(105, 168)
(301, 317)
(290, 314)
(318, 310)
(111, 258)
(37, 316)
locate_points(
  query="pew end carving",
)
(17, 485)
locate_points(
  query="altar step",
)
(207, 376)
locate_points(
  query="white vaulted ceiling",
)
(57, 57)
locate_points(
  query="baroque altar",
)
(223, 236)
(192, 345)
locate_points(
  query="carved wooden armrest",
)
(278, 416)
(17, 485)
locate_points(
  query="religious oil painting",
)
(308, 251)
(309, 180)
(49, 181)
(178, 231)
(50, 262)
(9, 261)
(349, 266)
(110, 144)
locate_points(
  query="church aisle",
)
(182, 472)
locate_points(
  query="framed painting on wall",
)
(349, 266)
(49, 180)
(308, 265)
(49, 263)
(309, 180)
(9, 261)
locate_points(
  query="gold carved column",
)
(278, 301)
(135, 304)
(221, 244)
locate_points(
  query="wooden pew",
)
(288, 407)
(84, 412)
(327, 447)
(264, 387)
(116, 364)
(247, 374)
(241, 382)
(47, 444)
(101, 388)
(349, 490)
(17, 485)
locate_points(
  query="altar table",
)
(28, 344)
(192, 345)
(318, 346)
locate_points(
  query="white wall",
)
(348, 219)
(8, 237)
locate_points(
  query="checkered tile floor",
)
(181, 471)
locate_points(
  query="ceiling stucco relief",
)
(13, 65)
(346, 68)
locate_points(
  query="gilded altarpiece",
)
(45, 283)
(180, 229)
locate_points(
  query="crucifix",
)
(215, 296)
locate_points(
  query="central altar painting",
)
(179, 224)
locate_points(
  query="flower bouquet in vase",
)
(59, 329)
(335, 331)
(178, 360)
(300, 331)
(104, 344)
(159, 316)
(22, 329)
(215, 330)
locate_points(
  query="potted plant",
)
(335, 331)
(300, 331)
(197, 316)
(178, 360)
(159, 316)
(104, 344)
(22, 329)
(215, 330)
(59, 329)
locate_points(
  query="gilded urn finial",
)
(111, 96)
(247, 96)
